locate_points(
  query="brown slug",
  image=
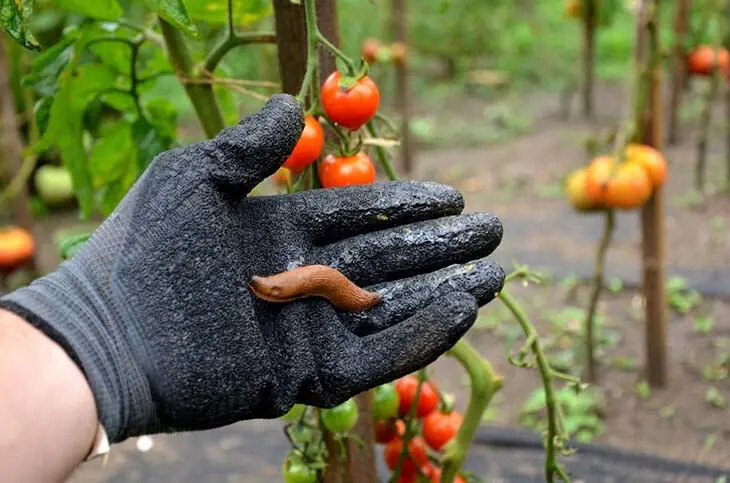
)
(314, 281)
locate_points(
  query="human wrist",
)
(69, 308)
(49, 406)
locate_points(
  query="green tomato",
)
(385, 402)
(297, 472)
(53, 184)
(294, 413)
(340, 419)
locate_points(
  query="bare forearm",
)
(47, 411)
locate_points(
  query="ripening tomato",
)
(573, 8)
(370, 49)
(575, 188)
(428, 399)
(341, 418)
(346, 170)
(388, 429)
(623, 186)
(309, 146)
(351, 107)
(651, 160)
(705, 58)
(434, 473)
(398, 53)
(416, 457)
(439, 428)
(385, 402)
(16, 247)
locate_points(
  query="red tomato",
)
(704, 59)
(388, 429)
(417, 457)
(346, 170)
(439, 428)
(435, 474)
(370, 49)
(309, 146)
(427, 400)
(352, 107)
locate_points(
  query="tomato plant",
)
(617, 185)
(350, 107)
(428, 399)
(341, 418)
(340, 171)
(439, 428)
(388, 429)
(434, 475)
(309, 146)
(651, 160)
(385, 402)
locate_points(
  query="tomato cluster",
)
(374, 51)
(348, 102)
(17, 247)
(434, 428)
(608, 182)
(704, 59)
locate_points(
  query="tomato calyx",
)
(349, 79)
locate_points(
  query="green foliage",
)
(216, 11)
(175, 13)
(703, 324)
(582, 412)
(679, 297)
(642, 390)
(715, 398)
(100, 9)
(15, 18)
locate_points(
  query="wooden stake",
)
(291, 34)
(649, 131)
(589, 39)
(679, 68)
(399, 28)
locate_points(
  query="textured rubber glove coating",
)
(156, 311)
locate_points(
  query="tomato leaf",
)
(113, 165)
(14, 19)
(77, 88)
(43, 77)
(101, 9)
(72, 244)
(174, 11)
(149, 143)
(216, 11)
(42, 111)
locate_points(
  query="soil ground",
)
(520, 181)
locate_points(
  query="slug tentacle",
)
(314, 281)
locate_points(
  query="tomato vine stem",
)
(553, 440)
(485, 382)
(382, 155)
(410, 423)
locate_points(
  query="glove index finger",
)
(253, 149)
(337, 213)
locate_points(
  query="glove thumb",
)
(247, 153)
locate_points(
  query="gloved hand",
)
(156, 311)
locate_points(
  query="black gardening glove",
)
(156, 310)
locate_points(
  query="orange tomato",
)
(575, 188)
(16, 247)
(651, 160)
(705, 58)
(398, 53)
(337, 171)
(624, 186)
(309, 146)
